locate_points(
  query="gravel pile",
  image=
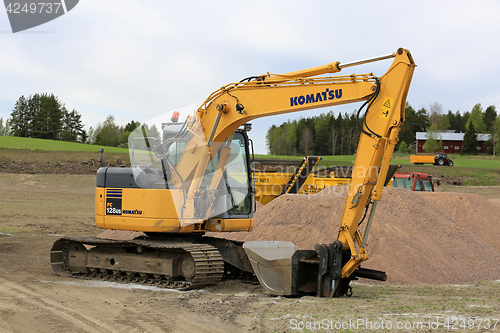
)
(495, 201)
(416, 237)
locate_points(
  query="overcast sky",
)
(137, 60)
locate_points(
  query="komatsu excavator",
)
(198, 180)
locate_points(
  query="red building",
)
(452, 142)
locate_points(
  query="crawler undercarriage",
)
(171, 262)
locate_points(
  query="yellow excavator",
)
(198, 180)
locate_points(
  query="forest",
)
(44, 116)
(330, 134)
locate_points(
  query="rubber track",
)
(209, 263)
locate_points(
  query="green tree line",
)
(43, 116)
(110, 134)
(328, 134)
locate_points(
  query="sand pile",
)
(495, 201)
(479, 215)
(415, 238)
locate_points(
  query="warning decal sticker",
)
(386, 108)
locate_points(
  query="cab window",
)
(418, 185)
(427, 185)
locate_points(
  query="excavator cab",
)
(233, 196)
(153, 194)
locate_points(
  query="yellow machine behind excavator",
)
(198, 179)
(270, 182)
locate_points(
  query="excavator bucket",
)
(284, 269)
(272, 263)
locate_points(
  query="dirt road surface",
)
(37, 209)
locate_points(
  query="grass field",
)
(473, 170)
(12, 142)
(488, 162)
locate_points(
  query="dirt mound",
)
(56, 162)
(495, 201)
(67, 167)
(472, 211)
(412, 238)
